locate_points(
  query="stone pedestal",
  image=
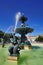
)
(12, 58)
(26, 47)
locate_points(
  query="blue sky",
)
(32, 9)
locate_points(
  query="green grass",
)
(4, 56)
(31, 57)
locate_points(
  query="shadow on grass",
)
(36, 47)
(22, 59)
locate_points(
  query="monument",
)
(23, 31)
(24, 42)
(14, 50)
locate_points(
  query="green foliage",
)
(1, 34)
(6, 37)
(0, 39)
(39, 39)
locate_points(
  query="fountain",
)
(23, 30)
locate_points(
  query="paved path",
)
(37, 44)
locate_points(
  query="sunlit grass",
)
(4, 56)
(31, 57)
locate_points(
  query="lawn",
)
(31, 57)
(4, 56)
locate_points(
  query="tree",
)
(1, 34)
(39, 39)
(6, 38)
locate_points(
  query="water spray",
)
(18, 16)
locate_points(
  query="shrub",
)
(39, 39)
